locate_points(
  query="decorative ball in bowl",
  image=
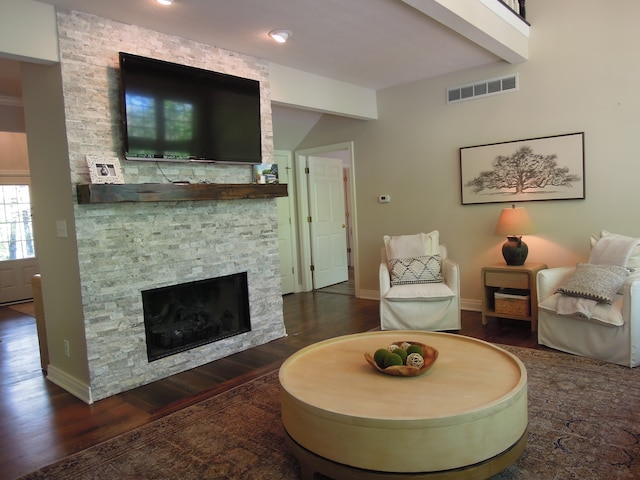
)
(403, 359)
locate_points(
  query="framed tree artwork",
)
(544, 168)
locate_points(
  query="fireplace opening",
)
(180, 317)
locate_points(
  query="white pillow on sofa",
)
(410, 246)
(633, 264)
(634, 259)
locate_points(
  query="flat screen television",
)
(178, 113)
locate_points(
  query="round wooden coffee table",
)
(465, 418)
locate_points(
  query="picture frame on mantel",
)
(105, 170)
(266, 173)
(544, 168)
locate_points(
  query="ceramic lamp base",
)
(515, 251)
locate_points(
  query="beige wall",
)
(52, 201)
(581, 77)
(11, 118)
(13, 153)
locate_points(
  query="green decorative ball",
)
(415, 349)
(379, 356)
(402, 353)
(392, 359)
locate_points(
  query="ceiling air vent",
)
(483, 88)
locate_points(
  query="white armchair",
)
(590, 338)
(608, 332)
(432, 306)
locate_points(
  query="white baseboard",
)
(368, 294)
(471, 305)
(71, 384)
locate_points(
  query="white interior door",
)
(15, 279)
(285, 223)
(18, 262)
(328, 224)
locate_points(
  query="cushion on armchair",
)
(422, 269)
(425, 292)
(634, 257)
(602, 312)
(633, 260)
(595, 282)
(409, 246)
(414, 259)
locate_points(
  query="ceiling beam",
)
(488, 23)
(291, 87)
(28, 31)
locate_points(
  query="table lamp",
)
(514, 222)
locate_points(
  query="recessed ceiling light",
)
(165, 2)
(280, 36)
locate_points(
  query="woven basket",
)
(510, 304)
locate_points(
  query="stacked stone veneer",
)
(126, 248)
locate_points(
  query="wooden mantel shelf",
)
(170, 192)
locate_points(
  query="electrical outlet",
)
(67, 350)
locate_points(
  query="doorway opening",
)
(322, 246)
(343, 288)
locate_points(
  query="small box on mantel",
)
(511, 301)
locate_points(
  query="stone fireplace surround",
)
(125, 248)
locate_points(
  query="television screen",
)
(178, 113)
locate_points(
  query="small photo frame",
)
(266, 173)
(105, 170)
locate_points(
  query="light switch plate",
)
(61, 228)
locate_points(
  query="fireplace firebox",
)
(180, 317)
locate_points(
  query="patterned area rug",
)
(584, 423)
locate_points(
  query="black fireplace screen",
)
(181, 317)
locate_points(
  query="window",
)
(16, 233)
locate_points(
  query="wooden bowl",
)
(430, 356)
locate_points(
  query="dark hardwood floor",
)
(42, 423)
